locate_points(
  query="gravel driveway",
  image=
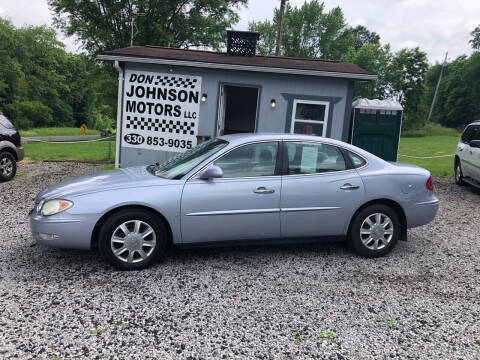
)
(280, 302)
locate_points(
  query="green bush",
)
(102, 119)
(27, 114)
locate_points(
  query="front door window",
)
(249, 161)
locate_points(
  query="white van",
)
(467, 156)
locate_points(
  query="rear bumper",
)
(421, 213)
(63, 230)
(20, 153)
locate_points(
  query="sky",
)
(436, 26)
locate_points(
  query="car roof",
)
(238, 139)
(245, 137)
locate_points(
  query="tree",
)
(363, 36)
(458, 101)
(406, 78)
(475, 42)
(106, 24)
(376, 59)
(308, 32)
(42, 85)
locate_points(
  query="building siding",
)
(272, 86)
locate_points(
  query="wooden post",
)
(437, 88)
(280, 27)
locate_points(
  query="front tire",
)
(374, 231)
(458, 173)
(132, 239)
(8, 166)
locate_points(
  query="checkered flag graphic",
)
(178, 82)
(162, 125)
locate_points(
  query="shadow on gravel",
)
(51, 258)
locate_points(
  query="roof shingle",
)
(278, 62)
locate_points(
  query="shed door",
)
(238, 108)
(377, 133)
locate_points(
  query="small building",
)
(169, 100)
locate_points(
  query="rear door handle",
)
(263, 190)
(349, 187)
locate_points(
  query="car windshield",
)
(5, 122)
(181, 164)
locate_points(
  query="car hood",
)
(101, 181)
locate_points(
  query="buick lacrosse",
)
(245, 188)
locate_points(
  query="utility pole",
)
(133, 16)
(280, 27)
(436, 89)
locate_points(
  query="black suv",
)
(11, 150)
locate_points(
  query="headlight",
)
(52, 207)
(40, 204)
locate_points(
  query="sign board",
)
(160, 111)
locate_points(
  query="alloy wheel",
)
(6, 167)
(133, 241)
(376, 231)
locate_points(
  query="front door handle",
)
(263, 190)
(349, 187)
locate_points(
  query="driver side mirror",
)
(475, 143)
(211, 173)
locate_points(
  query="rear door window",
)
(313, 158)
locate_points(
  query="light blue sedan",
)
(248, 188)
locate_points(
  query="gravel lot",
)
(422, 301)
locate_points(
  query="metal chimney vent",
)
(242, 43)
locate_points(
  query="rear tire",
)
(8, 166)
(374, 231)
(132, 239)
(458, 173)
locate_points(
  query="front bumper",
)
(63, 230)
(20, 153)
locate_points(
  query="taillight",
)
(430, 184)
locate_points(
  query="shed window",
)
(309, 117)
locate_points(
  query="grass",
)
(296, 336)
(96, 331)
(390, 322)
(431, 129)
(327, 335)
(56, 131)
(98, 150)
(430, 146)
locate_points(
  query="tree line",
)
(41, 84)
(313, 32)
